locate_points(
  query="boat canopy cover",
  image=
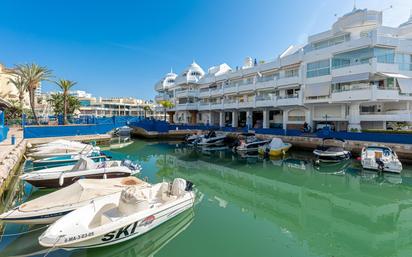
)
(81, 190)
(85, 164)
(276, 143)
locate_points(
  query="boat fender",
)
(61, 179)
(104, 175)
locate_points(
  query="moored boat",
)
(84, 168)
(212, 139)
(64, 160)
(120, 217)
(332, 150)
(380, 158)
(62, 151)
(276, 147)
(248, 142)
(49, 208)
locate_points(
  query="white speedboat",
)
(62, 151)
(212, 139)
(120, 217)
(57, 143)
(194, 139)
(84, 168)
(381, 158)
(248, 142)
(332, 150)
(49, 208)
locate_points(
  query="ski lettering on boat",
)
(121, 232)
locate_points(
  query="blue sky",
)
(121, 48)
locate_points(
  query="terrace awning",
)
(351, 78)
(393, 75)
(319, 89)
(405, 85)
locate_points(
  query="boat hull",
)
(120, 233)
(30, 219)
(330, 157)
(68, 180)
(276, 152)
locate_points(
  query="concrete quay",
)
(12, 156)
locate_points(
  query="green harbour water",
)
(249, 206)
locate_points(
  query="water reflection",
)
(338, 210)
(146, 245)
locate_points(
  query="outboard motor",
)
(381, 164)
(131, 165)
(189, 186)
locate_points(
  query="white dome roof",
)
(407, 23)
(193, 67)
(167, 81)
(192, 74)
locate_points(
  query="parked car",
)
(321, 125)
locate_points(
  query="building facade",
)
(356, 75)
(116, 106)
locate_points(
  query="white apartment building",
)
(115, 106)
(356, 75)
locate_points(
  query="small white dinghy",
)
(62, 151)
(84, 168)
(60, 143)
(120, 217)
(49, 208)
(381, 158)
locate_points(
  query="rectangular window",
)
(292, 73)
(319, 68)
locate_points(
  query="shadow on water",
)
(264, 207)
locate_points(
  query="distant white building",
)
(356, 75)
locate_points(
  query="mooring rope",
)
(54, 245)
(22, 233)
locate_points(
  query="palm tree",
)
(32, 75)
(146, 108)
(166, 104)
(65, 85)
(21, 87)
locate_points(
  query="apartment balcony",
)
(204, 92)
(186, 93)
(247, 104)
(287, 81)
(354, 68)
(265, 102)
(317, 99)
(204, 106)
(399, 115)
(186, 106)
(161, 98)
(216, 106)
(366, 93)
(289, 100)
(246, 87)
(216, 92)
(230, 105)
(265, 84)
(230, 89)
(385, 94)
(354, 94)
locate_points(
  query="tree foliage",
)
(57, 103)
